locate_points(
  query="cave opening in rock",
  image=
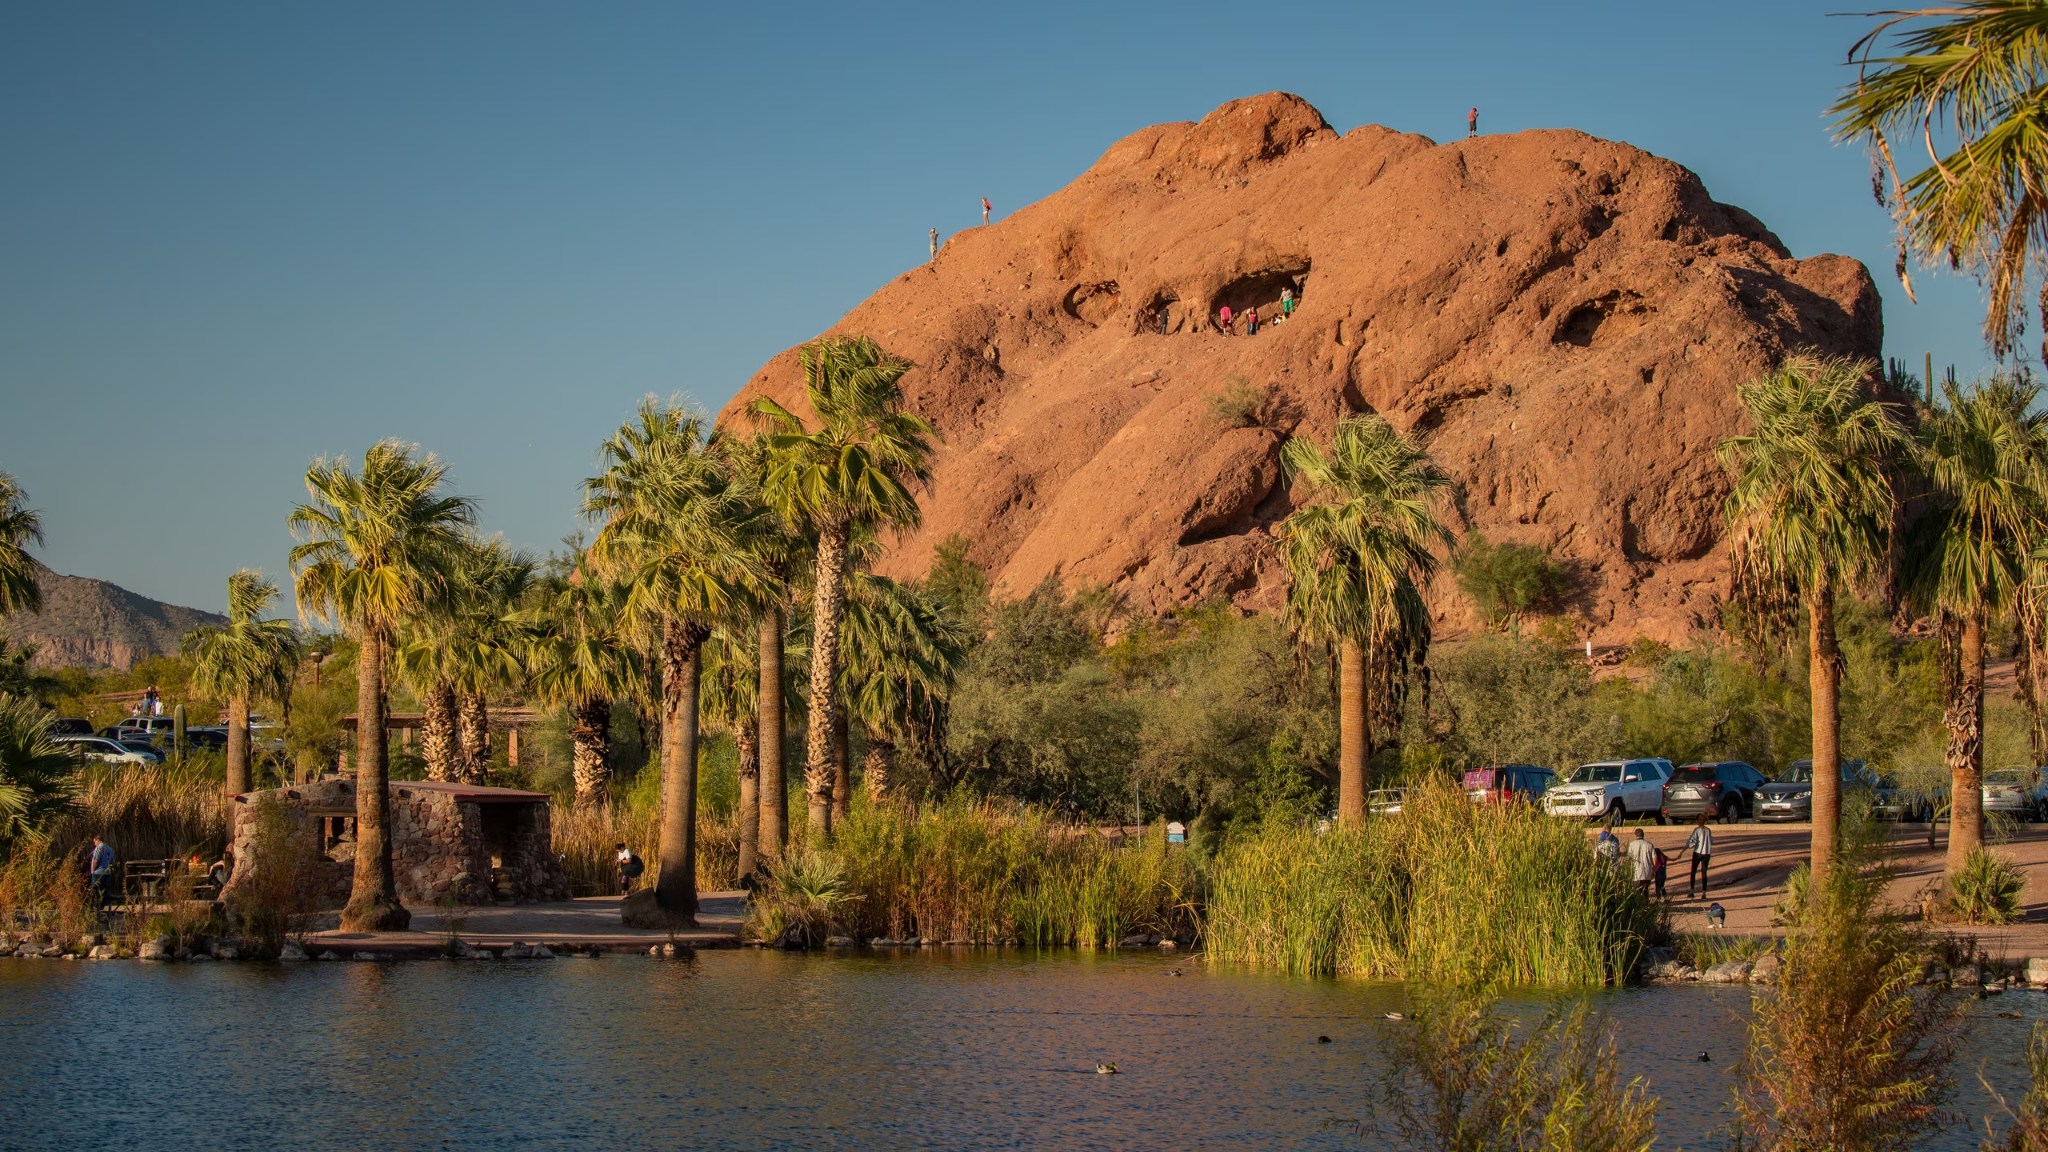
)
(1093, 303)
(1261, 290)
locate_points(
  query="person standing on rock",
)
(1223, 317)
(1644, 859)
(1472, 124)
(1701, 845)
(935, 243)
(1286, 303)
(1251, 322)
(100, 866)
(985, 206)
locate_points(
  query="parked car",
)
(1611, 789)
(1385, 801)
(69, 726)
(146, 727)
(147, 748)
(1891, 799)
(102, 749)
(2016, 792)
(213, 738)
(1790, 796)
(1506, 782)
(1726, 789)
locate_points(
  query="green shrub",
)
(1506, 581)
(279, 890)
(1987, 890)
(1238, 405)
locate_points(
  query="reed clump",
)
(44, 893)
(147, 812)
(1446, 891)
(587, 839)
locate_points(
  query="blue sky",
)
(237, 237)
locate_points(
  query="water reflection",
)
(756, 1049)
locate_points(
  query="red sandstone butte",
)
(1564, 319)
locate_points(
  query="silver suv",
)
(1616, 789)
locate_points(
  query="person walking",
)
(1472, 124)
(101, 870)
(935, 243)
(1251, 322)
(630, 869)
(1606, 846)
(1223, 316)
(1658, 872)
(985, 206)
(1701, 845)
(1644, 860)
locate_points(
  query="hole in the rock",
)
(1093, 303)
(1261, 290)
(1162, 315)
(1501, 249)
(1604, 319)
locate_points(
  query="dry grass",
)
(586, 839)
(159, 812)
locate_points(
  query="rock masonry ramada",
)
(468, 844)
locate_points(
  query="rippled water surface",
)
(760, 1049)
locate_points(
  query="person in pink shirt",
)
(985, 206)
(1223, 315)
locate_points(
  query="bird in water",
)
(2008, 1015)
(1392, 1016)
(1322, 1039)
(1175, 972)
(1704, 1058)
(1105, 1069)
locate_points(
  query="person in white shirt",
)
(1701, 845)
(1643, 858)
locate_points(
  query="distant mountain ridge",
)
(88, 623)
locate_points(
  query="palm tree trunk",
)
(1824, 678)
(476, 739)
(591, 757)
(746, 740)
(828, 604)
(2028, 671)
(1964, 719)
(874, 767)
(373, 897)
(675, 887)
(774, 788)
(438, 740)
(1353, 735)
(842, 764)
(238, 745)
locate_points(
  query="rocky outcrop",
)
(1564, 318)
(93, 624)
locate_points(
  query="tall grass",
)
(587, 838)
(1445, 891)
(153, 812)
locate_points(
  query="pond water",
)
(755, 1049)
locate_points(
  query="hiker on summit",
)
(935, 243)
(1472, 124)
(985, 206)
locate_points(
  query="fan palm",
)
(1355, 561)
(1977, 81)
(485, 642)
(675, 524)
(377, 545)
(781, 549)
(1809, 515)
(1985, 454)
(36, 773)
(249, 659)
(730, 701)
(581, 654)
(903, 652)
(425, 658)
(19, 526)
(857, 467)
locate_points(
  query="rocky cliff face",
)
(1563, 318)
(93, 624)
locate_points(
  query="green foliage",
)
(278, 892)
(1507, 581)
(1987, 889)
(1238, 404)
(1503, 699)
(37, 777)
(20, 525)
(1462, 1077)
(2029, 1131)
(959, 585)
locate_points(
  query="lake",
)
(938, 1049)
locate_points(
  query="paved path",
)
(592, 921)
(1752, 861)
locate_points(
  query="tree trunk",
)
(2028, 672)
(439, 744)
(1964, 719)
(842, 764)
(747, 741)
(874, 767)
(1824, 678)
(774, 787)
(238, 746)
(675, 888)
(476, 739)
(590, 728)
(1353, 734)
(373, 897)
(827, 605)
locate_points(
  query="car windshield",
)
(1694, 774)
(1597, 774)
(1800, 773)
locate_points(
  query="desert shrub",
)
(1986, 890)
(1238, 404)
(45, 892)
(1459, 1078)
(806, 890)
(280, 887)
(1507, 581)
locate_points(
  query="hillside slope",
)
(93, 624)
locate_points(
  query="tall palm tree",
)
(376, 546)
(857, 467)
(1985, 454)
(731, 702)
(20, 525)
(485, 642)
(1356, 560)
(1976, 80)
(423, 655)
(1810, 515)
(581, 653)
(672, 520)
(250, 658)
(904, 650)
(782, 548)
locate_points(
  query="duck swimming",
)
(1105, 1069)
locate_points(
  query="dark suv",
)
(1504, 782)
(1725, 789)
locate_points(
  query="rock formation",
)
(93, 624)
(1563, 318)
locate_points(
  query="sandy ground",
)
(593, 920)
(1751, 862)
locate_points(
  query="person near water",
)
(100, 867)
(1251, 322)
(1658, 871)
(630, 869)
(1607, 846)
(985, 206)
(1472, 123)
(1701, 845)
(1643, 858)
(1223, 315)
(935, 243)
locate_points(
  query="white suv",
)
(1608, 787)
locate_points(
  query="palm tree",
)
(19, 525)
(673, 522)
(1356, 561)
(582, 654)
(858, 467)
(36, 773)
(377, 545)
(1985, 454)
(485, 642)
(1974, 77)
(1809, 515)
(903, 652)
(781, 547)
(251, 658)
(425, 658)
(731, 702)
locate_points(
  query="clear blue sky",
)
(234, 237)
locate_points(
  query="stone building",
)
(460, 842)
